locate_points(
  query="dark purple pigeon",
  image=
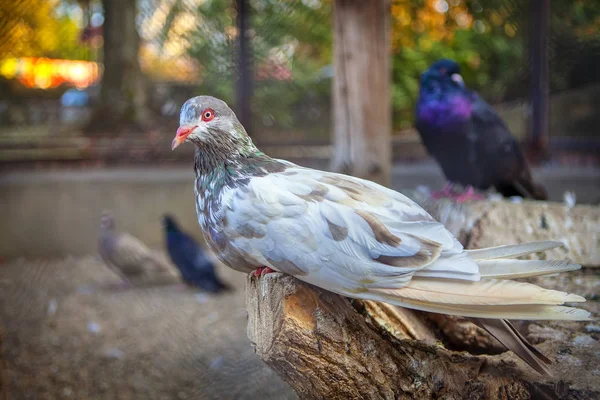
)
(468, 139)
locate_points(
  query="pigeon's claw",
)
(445, 193)
(469, 195)
(460, 197)
(260, 271)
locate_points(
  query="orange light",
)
(47, 73)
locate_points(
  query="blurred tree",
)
(124, 91)
(34, 28)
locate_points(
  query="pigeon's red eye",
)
(208, 114)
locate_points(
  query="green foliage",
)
(31, 28)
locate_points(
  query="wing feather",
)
(328, 226)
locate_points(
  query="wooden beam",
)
(362, 116)
(540, 91)
(244, 65)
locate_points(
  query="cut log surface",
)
(329, 347)
(494, 223)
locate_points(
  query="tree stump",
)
(327, 346)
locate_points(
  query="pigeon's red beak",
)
(182, 133)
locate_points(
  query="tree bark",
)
(326, 348)
(123, 96)
(361, 89)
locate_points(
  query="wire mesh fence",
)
(62, 343)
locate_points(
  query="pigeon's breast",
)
(210, 208)
(444, 114)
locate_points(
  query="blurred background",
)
(90, 93)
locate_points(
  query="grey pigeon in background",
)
(128, 257)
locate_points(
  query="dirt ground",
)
(70, 334)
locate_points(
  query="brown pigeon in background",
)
(357, 238)
(128, 257)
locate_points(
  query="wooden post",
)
(540, 21)
(244, 83)
(361, 89)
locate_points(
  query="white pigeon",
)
(355, 237)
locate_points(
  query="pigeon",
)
(356, 238)
(128, 257)
(468, 139)
(195, 267)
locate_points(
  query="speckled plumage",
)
(354, 237)
(468, 138)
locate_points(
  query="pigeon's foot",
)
(445, 193)
(448, 192)
(469, 195)
(260, 271)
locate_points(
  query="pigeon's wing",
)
(502, 160)
(132, 257)
(339, 232)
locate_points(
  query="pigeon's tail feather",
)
(508, 335)
(488, 298)
(500, 262)
(522, 185)
(529, 189)
(514, 269)
(513, 251)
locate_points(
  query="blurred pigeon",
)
(193, 264)
(128, 256)
(355, 237)
(468, 138)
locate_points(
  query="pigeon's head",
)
(107, 221)
(443, 72)
(205, 119)
(169, 223)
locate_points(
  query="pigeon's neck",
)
(217, 167)
(216, 175)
